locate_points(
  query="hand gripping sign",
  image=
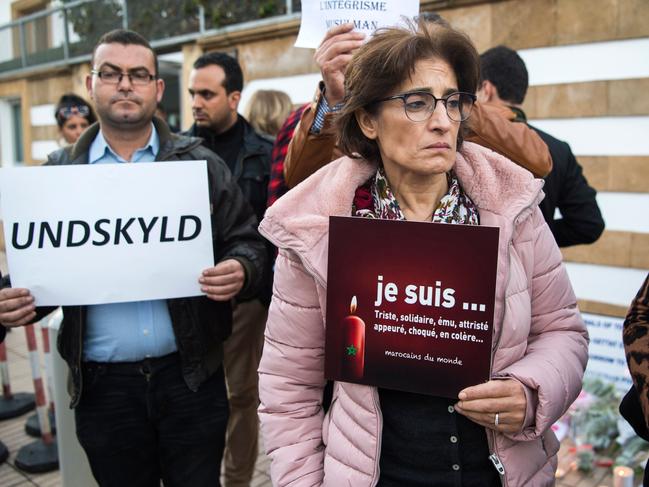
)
(318, 16)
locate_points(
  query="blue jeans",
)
(139, 422)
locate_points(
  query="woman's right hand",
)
(16, 307)
(501, 398)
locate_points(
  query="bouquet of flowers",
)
(596, 427)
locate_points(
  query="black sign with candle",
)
(410, 305)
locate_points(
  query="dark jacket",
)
(200, 325)
(252, 167)
(251, 171)
(566, 188)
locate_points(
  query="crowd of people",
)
(432, 131)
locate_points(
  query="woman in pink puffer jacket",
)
(407, 142)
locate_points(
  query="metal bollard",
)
(12, 405)
(40, 455)
(32, 425)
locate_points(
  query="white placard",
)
(105, 233)
(606, 358)
(318, 16)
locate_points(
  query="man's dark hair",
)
(505, 69)
(233, 76)
(125, 37)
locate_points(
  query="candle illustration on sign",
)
(353, 345)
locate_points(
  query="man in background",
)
(215, 85)
(504, 82)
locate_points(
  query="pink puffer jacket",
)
(539, 339)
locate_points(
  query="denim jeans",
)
(139, 422)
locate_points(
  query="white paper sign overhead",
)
(318, 16)
(105, 233)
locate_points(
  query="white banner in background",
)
(318, 16)
(105, 233)
(606, 359)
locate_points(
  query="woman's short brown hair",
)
(386, 60)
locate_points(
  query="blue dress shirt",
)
(127, 332)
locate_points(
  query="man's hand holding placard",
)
(16, 307)
(223, 281)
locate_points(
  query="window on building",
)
(11, 134)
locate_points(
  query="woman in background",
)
(73, 116)
(267, 111)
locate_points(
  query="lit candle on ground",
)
(622, 477)
(353, 345)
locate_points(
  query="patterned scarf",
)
(375, 199)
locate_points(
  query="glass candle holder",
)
(622, 476)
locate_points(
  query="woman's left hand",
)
(496, 404)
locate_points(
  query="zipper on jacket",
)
(491, 435)
(494, 458)
(498, 464)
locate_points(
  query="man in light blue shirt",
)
(154, 403)
(127, 332)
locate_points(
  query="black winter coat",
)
(251, 171)
(566, 188)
